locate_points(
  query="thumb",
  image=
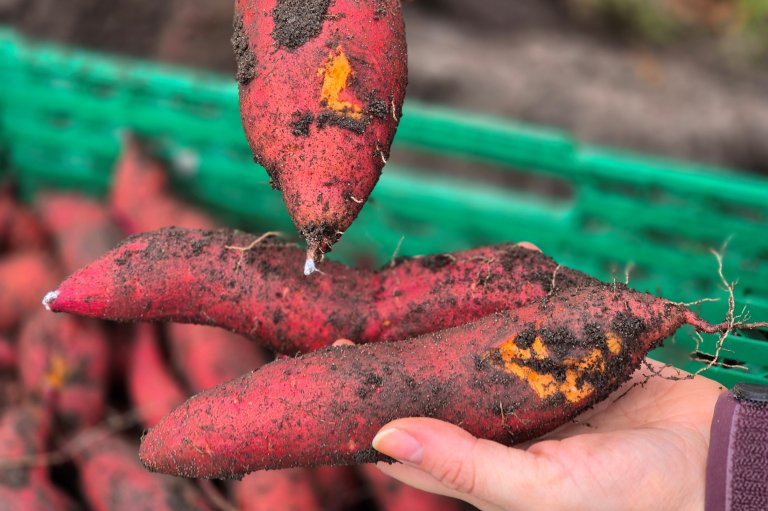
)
(442, 458)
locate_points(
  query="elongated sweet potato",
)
(152, 386)
(23, 277)
(24, 432)
(190, 276)
(208, 356)
(64, 359)
(321, 91)
(509, 377)
(141, 199)
(113, 480)
(82, 228)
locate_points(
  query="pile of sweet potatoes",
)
(501, 340)
(76, 393)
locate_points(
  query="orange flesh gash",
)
(57, 372)
(545, 384)
(336, 74)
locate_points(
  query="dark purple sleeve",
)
(737, 464)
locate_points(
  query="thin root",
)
(254, 243)
(731, 322)
(627, 271)
(397, 251)
(553, 285)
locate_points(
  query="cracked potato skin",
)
(321, 91)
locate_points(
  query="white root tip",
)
(309, 266)
(49, 298)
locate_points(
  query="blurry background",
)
(684, 78)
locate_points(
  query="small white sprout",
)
(48, 299)
(309, 267)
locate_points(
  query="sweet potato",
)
(8, 353)
(338, 488)
(321, 91)
(508, 377)
(82, 228)
(208, 356)
(191, 276)
(20, 229)
(113, 480)
(64, 359)
(24, 277)
(141, 200)
(153, 388)
(24, 431)
(392, 495)
(275, 490)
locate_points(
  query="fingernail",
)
(399, 445)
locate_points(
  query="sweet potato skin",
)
(508, 377)
(82, 228)
(113, 480)
(24, 431)
(208, 356)
(321, 91)
(64, 360)
(152, 386)
(141, 199)
(392, 495)
(275, 490)
(24, 278)
(190, 276)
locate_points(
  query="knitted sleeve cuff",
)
(737, 464)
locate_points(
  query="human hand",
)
(646, 450)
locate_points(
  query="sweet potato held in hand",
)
(191, 276)
(508, 377)
(321, 90)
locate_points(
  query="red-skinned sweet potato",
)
(152, 386)
(508, 377)
(113, 480)
(321, 90)
(392, 495)
(64, 360)
(24, 432)
(338, 488)
(20, 229)
(276, 490)
(8, 353)
(82, 228)
(141, 200)
(208, 356)
(24, 277)
(191, 276)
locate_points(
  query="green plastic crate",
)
(62, 110)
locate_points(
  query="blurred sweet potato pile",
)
(76, 393)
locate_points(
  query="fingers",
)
(443, 458)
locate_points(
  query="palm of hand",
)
(646, 450)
